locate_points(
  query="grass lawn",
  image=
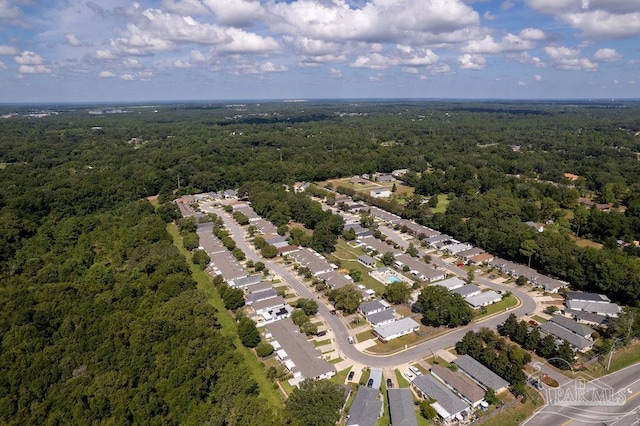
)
(287, 387)
(348, 256)
(365, 376)
(436, 361)
(341, 376)
(621, 358)
(539, 319)
(443, 202)
(402, 381)
(506, 302)
(317, 343)
(516, 413)
(365, 335)
(397, 344)
(336, 360)
(228, 324)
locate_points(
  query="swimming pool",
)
(391, 279)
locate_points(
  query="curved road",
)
(339, 328)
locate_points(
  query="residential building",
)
(448, 405)
(485, 298)
(401, 407)
(460, 384)
(260, 295)
(467, 290)
(381, 318)
(562, 328)
(380, 193)
(367, 261)
(451, 283)
(298, 354)
(396, 329)
(366, 408)
(482, 375)
(373, 307)
(244, 282)
(593, 303)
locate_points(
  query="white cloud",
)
(440, 69)
(489, 16)
(471, 62)
(565, 58)
(509, 43)
(532, 34)
(7, 50)
(106, 74)
(72, 40)
(506, 5)
(597, 19)
(607, 55)
(522, 84)
(2, 66)
(9, 12)
(410, 70)
(335, 73)
(186, 7)
(526, 58)
(537, 77)
(33, 69)
(126, 77)
(240, 13)
(28, 57)
(406, 56)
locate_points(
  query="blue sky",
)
(122, 51)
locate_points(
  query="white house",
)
(380, 193)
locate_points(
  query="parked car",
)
(389, 384)
(415, 370)
(350, 376)
(533, 323)
(322, 333)
(370, 383)
(409, 375)
(350, 339)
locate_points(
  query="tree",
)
(355, 274)
(533, 339)
(547, 347)
(264, 349)
(248, 333)
(427, 258)
(490, 397)
(552, 309)
(258, 266)
(397, 292)
(269, 251)
(168, 212)
(190, 241)
(521, 280)
(201, 258)
(508, 327)
(388, 258)
(529, 248)
(315, 403)
(566, 354)
(394, 188)
(441, 307)
(346, 298)
(412, 251)
(427, 411)
(233, 298)
(299, 317)
(309, 328)
(308, 306)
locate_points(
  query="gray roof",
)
(466, 290)
(466, 254)
(391, 329)
(366, 408)
(461, 384)
(307, 359)
(571, 325)
(316, 263)
(451, 283)
(562, 333)
(367, 260)
(268, 303)
(480, 373)
(429, 386)
(486, 297)
(374, 305)
(401, 407)
(588, 317)
(587, 297)
(245, 281)
(387, 315)
(261, 295)
(261, 286)
(603, 308)
(335, 279)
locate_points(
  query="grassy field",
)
(539, 319)
(621, 358)
(517, 413)
(443, 202)
(398, 344)
(348, 256)
(506, 302)
(402, 381)
(341, 376)
(228, 324)
(317, 343)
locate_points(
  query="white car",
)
(409, 375)
(415, 370)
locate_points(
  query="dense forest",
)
(101, 320)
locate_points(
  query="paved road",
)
(622, 386)
(339, 328)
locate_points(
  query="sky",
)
(146, 50)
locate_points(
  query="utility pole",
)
(178, 181)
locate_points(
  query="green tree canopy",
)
(315, 403)
(441, 307)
